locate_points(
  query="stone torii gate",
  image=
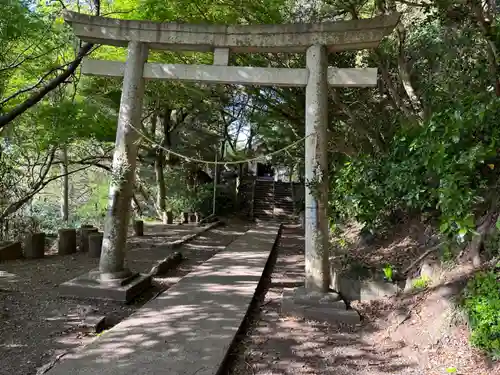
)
(316, 40)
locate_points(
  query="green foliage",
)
(482, 304)
(88, 209)
(68, 120)
(421, 283)
(388, 273)
(445, 166)
(200, 200)
(93, 210)
(48, 218)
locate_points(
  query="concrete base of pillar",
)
(358, 287)
(321, 307)
(90, 285)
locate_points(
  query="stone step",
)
(316, 306)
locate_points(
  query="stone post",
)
(84, 238)
(170, 217)
(11, 251)
(316, 172)
(95, 244)
(112, 262)
(34, 246)
(67, 241)
(139, 228)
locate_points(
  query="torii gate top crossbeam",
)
(337, 36)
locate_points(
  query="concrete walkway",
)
(188, 329)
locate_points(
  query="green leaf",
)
(444, 227)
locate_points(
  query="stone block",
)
(353, 288)
(139, 228)
(301, 295)
(95, 244)
(317, 306)
(90, 285)
(34, 245)
(84, 238)
(170, 217)
(409, 284)
(430, 270)
(366, 290)
(67, 241)
(97, 323)
(167, 264)
(11, 251)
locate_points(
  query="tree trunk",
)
(220, 157)
(484, 228)
(161, 197)
(403, 69)
(160, 183)
(139, 187)
(404, 72)
(374, 139)
(136, 206)
(391, 88)
(158, 165)
(64, 185)
(484, 14)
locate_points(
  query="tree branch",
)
(51, 85)
(13, 207)
(412, 4)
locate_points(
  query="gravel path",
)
(37, 325)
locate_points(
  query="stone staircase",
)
(283, 200)
(273, 200)
(245, 198)
(268, 200)
(263, 200)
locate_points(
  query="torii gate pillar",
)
(317, 272)
(112, 261)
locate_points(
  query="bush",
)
(482, 304)
(47, 217)
(200, 200)
(445, 168)
(92, 210)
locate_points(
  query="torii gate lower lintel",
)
(316, 40)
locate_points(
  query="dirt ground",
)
(416, 334)
(37, 325)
